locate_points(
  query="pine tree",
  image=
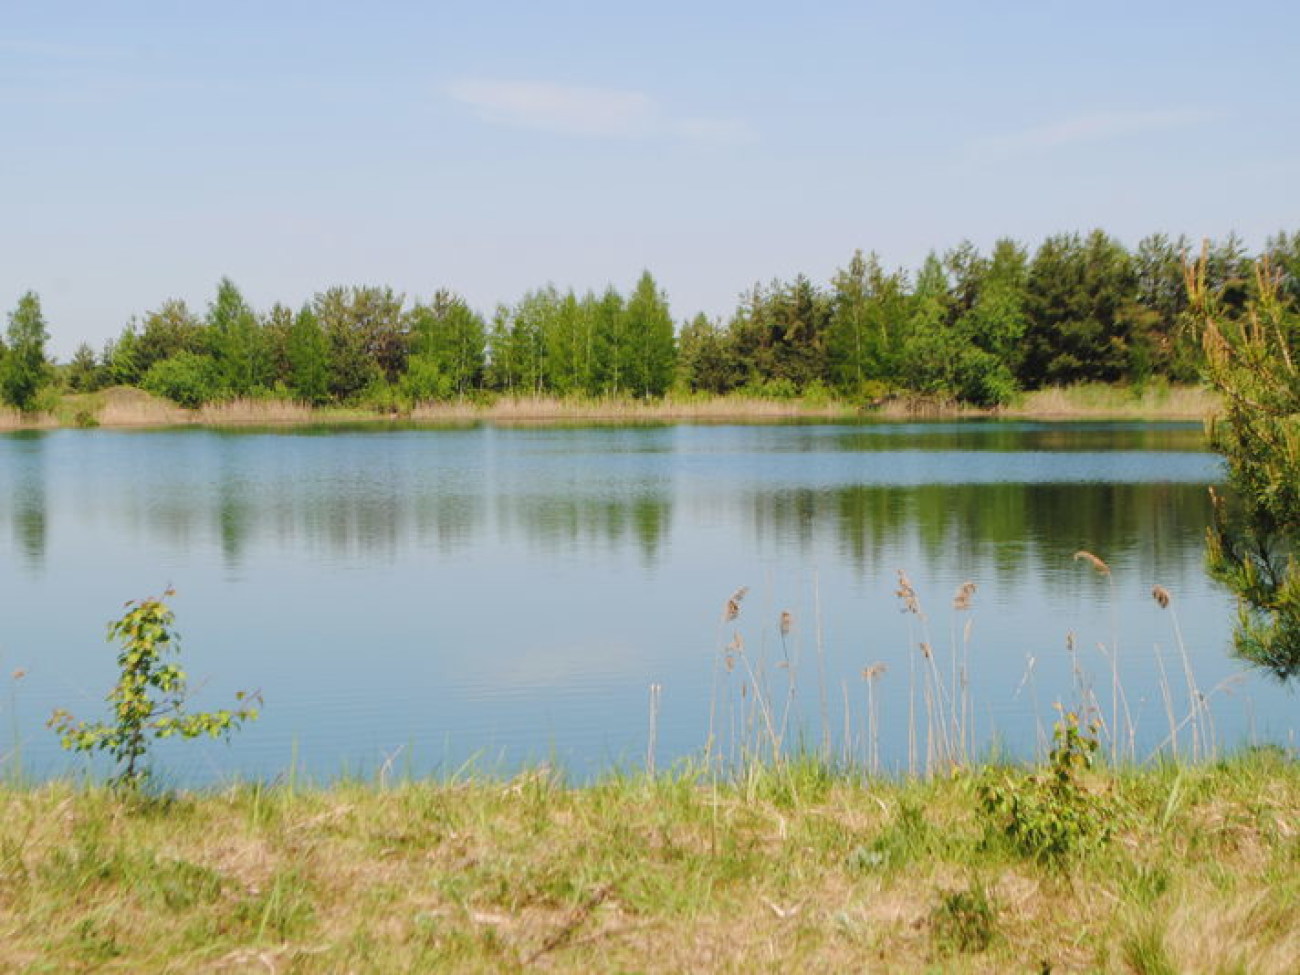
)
(1253, 361)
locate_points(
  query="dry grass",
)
(663, 875)
(11, 419)
(123, 406)
(1100, 401)
(719, 409)
(127, 407)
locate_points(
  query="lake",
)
(418, 601)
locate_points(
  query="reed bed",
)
(127, 407)
(1102, 401)
(11, 419)
(772, 698)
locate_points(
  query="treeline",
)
(366, 344)
(978, 328)
(964, 326)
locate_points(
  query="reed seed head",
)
(1162, 596)
(874, 671)
(1093, 561)
(787, 622)
(732, 609)
(961, 601)
(907, 594)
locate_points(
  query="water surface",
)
(413, 599)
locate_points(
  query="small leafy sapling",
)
(1054, 816)
(149, 698)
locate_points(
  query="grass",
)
(127, 407)
(794, 866)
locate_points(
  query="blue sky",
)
(150, 148)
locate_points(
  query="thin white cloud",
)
(1097, 127)
(608, 113)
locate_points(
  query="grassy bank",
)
(124, 407)
(785, 868)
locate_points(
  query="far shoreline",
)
(126, 408)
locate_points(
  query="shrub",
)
(425, 380)
(149, 698)
(1051, 816)
(187, 378)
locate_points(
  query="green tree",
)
(995, 320)
(308, 350)
(780, 333)
(1253, 360)
(170, 329)
(706, 360)
(25, 369)
(1282, 251)
(567, 334)
(122, 358)
(367, 335)
(451, 339)
(84, 374)
(611, 346)
(651, 339)
(1082, 311)
(236, 342)
(189, 379)
(276, 327)
(503, 371)
(991, 327)
(858, 333)
(529, 321)
(930, 344)
(1172, 337)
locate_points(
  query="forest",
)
(964, 327)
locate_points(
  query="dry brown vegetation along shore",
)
(126, 407)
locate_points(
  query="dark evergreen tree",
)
(1081, 303)
(780, 334)
(706, 360)
(1172, 339)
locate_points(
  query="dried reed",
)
(941, 733)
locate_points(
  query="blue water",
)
(411, 600)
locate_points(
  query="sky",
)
(149, 149)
